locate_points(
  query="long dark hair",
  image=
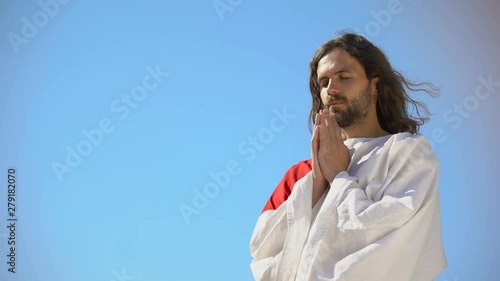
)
(393, 101)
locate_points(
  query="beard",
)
(356, 109)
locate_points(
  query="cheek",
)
(324, 96)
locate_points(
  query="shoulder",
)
(299, 169)
(285, 186)
(407, 137)
(409, 140)
(411, 145)
(294, 174)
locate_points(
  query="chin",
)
(336, 111)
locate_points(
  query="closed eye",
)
(323, 83)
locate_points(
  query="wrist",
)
(333, 176)
(321, 182)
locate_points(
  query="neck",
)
(364, 129)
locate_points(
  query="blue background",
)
(118, 210)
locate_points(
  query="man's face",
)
(345, 90)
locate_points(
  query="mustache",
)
(335, 97)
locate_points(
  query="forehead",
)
(337, 60)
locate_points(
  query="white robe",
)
(380, 220)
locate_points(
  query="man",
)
(365, 207)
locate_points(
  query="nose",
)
(332, 87)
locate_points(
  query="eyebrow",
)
(346, 70)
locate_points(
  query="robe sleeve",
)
(392, 235)
(285, 217)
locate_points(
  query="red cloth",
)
(284, 188)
